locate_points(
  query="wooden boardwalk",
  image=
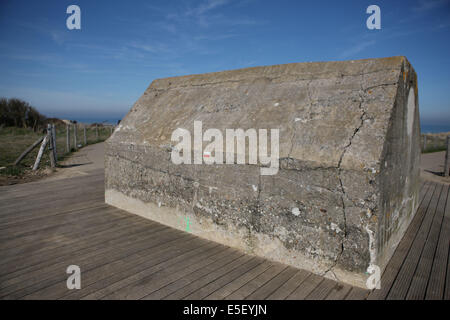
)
(46, 226)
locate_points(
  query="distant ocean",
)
(434, 128)
(98, 120)
(424, 128)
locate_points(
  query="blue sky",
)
(98, 72)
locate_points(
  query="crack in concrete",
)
(343, 194)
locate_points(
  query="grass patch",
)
(12, 171)
(13, 141)
(434, 149)
(435, 142)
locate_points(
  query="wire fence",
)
(19, 148)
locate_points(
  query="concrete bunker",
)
(348, 179)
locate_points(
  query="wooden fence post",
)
(28, 150)
(85, 139)
(75, 136)
(96, 132)
(41, 152)
(424, 142)
(50, 146)
(67, 138)
(55, 151)
(447, 159)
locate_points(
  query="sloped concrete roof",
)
(319, 107)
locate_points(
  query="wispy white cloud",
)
(57, 36)
(153, 48)
(169, 27)
(442, 23)
(206, 6)
(187, 29)
(206, 15)
(214, 37)
(427, 5)
(357, 48)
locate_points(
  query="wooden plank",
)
(424, 186)
(215, 279)
(273, 284)
(15, 262)
(77, 227)
(322, 290)
(251, 286)
(289, 286)
(48, 194)
(436, 284)
(82, 240)
(23, 219)
(17, 233)
(177, 271)
(38, 223)
(21, 189)
(401, 284)
(52, 182)
(357, 294)
(18, 236)
(88, 245)
(418, 287)
(394, 265)
(223, 276)
(110, 272)
(111, 266)
(92, 200)
(67, 197)
(447, 280)
(101, 280)
(64, 202)
(176, 283)
(201, 251)
(306, 287)
(61, 233)
(227, 289)
(35, 281)
(339, 292)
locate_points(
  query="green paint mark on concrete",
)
(187, 224)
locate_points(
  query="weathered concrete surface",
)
(348, 182)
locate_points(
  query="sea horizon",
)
(434, 128)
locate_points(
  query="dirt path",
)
(432, 167)
(81, 162)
